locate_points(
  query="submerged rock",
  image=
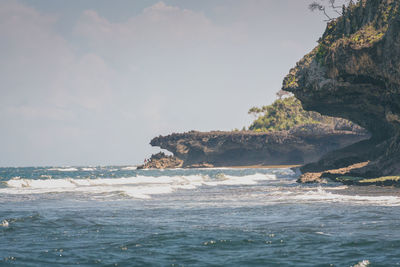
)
(354, 73)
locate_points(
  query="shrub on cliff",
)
(287, 113)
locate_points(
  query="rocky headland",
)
(302, 144)
(354, 73)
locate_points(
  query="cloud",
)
(41, 68)
(158, 30)
(105, 87)
(159, 22)
(52, 97)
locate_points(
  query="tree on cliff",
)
(282, 94)
(332, 9)
(256, 111)
(283, 114)
(286, 113)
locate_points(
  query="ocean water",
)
(120, 216)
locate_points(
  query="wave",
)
(88, 169)
(137, 187)
(63, 169)
(129, 168)
(301, 195)
(4, 223)
(363, 263)
(143, 187)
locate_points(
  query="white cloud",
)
(106, 88)
(158, 30)
(40, 67)
(52, 98)
(156, 23)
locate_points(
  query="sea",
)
(121, 216)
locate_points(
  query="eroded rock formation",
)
(300, 145)
(354, 73)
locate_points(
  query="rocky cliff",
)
(354, 73)
(300, 145)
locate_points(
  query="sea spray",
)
(5, 223)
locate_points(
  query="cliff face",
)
(244, 148)
(354, 73)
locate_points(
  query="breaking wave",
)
(274, 190)
(63, 169)
(129, 168)
(319, 194)
(137, 187)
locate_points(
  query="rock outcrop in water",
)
(354, 73)
(162, 161)
(300, 145)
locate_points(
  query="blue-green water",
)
(118, 216)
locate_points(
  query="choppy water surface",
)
(233, 217)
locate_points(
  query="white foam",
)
(129, 168)
(4, 223)
(363, 263)
(322, 233)
(241, 180)
(137, 187)
(88, 169)
(144, 187)
(323, 195)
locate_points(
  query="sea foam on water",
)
(363, 263)
(275, 190)
(137, 186)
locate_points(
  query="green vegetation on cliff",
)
(284, 114)
(357, 28)
(361, 26)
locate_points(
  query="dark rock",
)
(201, 165)
(300, 145)
(161, 161)
(318, 177)
(354, 73)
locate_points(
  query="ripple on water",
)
(118, 215)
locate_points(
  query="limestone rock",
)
(354, 73)
(162, 161)
(303, 144)
(319, 177)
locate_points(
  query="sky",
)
(92, 82)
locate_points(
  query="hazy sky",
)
(92, 81)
